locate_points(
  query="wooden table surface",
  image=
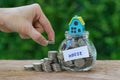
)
(103, 70)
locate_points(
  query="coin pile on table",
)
(49, 64)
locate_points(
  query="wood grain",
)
(103, 70)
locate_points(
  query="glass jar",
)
(72, 43)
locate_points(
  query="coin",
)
(51, 42)
(47, 60)
(68, 63)
(81, 42)
(88, 61)
(74, 45)
(42, 60)
(28, 67)
(79, 63)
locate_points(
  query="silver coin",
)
(81, 42)
(47, 60)
(28, 67)
(79, 63)
(37, 66)
(74, 45)
(42, 60)
(68, 63)
(88, 61)
(56, 67)
(53, 52)
(51, 42)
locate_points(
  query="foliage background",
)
(102, 19)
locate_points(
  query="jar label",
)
(76, 53)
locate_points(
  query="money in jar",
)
(77, 52)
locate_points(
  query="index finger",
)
(47, 26)
(44, 22)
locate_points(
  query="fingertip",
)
(44, 43)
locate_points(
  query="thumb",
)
(37, 37)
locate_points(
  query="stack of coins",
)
(49, 64)
(37, 66)
(53, 55)
(47, 67)
(28, 67)
(56, 67)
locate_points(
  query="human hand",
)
(29, 21)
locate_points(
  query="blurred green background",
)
(102, 18)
